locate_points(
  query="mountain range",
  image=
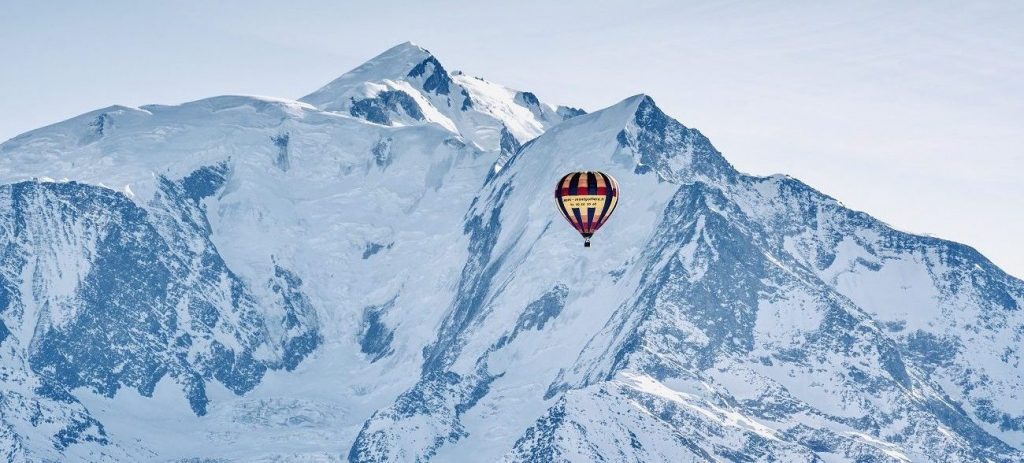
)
(376, 272)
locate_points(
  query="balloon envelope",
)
(586, 200)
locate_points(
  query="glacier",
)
(375, 272)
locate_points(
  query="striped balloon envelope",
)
(586, 200)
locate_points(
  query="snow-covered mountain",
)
(406, 85)
(376, 272)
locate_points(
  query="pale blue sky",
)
(912, 112)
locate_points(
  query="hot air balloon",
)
(586, 200)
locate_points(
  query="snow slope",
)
(377, 273)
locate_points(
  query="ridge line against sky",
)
(910, 112)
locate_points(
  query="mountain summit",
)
(394, 64)
(407, 85)
(377, 273)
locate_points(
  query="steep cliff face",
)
(378, 273)
(104, 294)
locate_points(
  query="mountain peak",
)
(396, 61)
(664, 145)
(642, 108)
(408, 44)
(399, 62)
(627, 110)
(659, 144)
(407, 85)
